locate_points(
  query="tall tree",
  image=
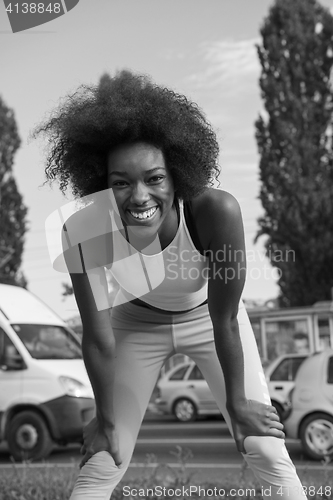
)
(295, 144)
(12, 209)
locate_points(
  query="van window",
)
(9, 355)
(48, 341)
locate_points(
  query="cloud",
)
(226, 62)
(224, 81)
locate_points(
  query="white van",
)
(45, 393)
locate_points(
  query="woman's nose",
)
(140, 194)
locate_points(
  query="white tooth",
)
(144, 215)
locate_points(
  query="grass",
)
(36, 483)
(52, 482)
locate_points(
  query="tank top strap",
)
(189, 224)
(180, 204)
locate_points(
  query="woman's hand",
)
(98, 437)
(252, 418)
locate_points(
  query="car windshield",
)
(48, 341)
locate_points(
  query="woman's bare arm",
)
(98, 345)
(223, 236)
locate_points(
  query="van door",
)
(12, 368)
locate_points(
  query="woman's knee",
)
(98, 477)
(268, 448)
(102, 467)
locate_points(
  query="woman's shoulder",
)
(214, 205)
(215, 201)
(214, 211)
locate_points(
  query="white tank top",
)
(173, 279)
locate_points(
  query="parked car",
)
(311, 412)
(45, 393)
(280, 376)
(184, 393)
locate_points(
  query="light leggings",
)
(144, 340)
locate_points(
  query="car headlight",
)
(73, 387)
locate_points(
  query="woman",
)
(165, 240)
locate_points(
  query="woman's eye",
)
(119, 184)
(156, 178)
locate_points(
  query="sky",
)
(204, 49)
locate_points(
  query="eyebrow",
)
(124, 174)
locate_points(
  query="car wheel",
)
(28, 437)
(316, 434)
(279, 409)
(185, 410)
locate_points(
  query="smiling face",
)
(143, 187)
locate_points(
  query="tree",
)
(12, 209)
(295, 146)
